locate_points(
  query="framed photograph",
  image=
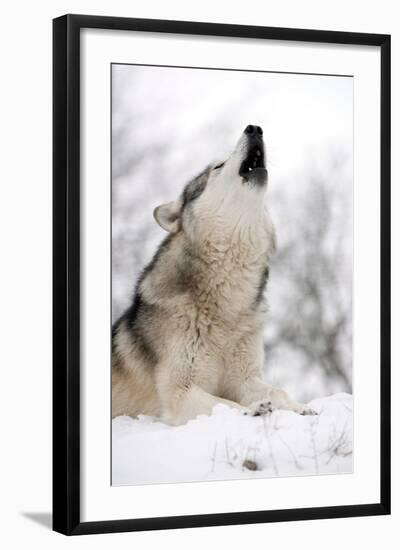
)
(221, 274)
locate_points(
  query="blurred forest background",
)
(168, 123)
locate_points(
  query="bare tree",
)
(313, 266)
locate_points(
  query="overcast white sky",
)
(301, 115)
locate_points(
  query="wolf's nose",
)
(250, 129)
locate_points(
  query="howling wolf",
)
(193, 335)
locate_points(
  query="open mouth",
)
(254, 163)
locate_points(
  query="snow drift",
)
(228, 445)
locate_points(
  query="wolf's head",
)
(224, 195)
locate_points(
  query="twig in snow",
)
(338, 445)
(296, 462)
(228, 458)
(214, 457)
(314, 421)
(269, 442)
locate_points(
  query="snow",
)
(228, 445)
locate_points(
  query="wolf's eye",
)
(219, 166)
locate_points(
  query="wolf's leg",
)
(184, 405)
(245, 385)
(182, 380)
(255, 392)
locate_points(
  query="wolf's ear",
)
(168, 216)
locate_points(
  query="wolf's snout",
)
(252, 167)
(253, 130)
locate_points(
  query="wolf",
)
(193, 334)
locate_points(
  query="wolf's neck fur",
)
(226, 271)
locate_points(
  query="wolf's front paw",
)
(259, 408)
(307, 411)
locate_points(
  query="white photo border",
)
(99, 500)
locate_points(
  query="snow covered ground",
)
(228, 445)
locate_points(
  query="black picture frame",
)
(66, 273)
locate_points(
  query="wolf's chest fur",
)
(212, 296)
(222, 278)
(210, 301)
